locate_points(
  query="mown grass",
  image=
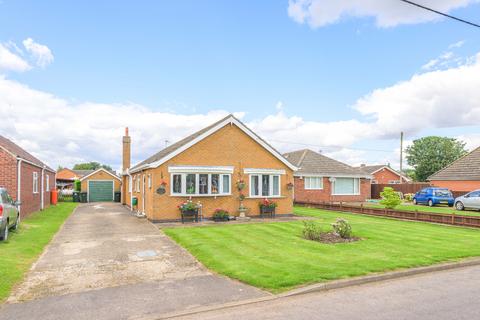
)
(275, 257)
(425, 208)
(27, 243)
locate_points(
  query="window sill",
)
(313, 188)
(348, 194)
(199, 195)
(265, 197)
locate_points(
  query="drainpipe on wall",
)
(42, 197)
(19, 181)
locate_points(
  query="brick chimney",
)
(126, 151)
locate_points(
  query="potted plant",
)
(189, 209)
(221, 215)
(267, 207)
(241, 184)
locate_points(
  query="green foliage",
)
(390, 198)
(410, 173)
(93, 165)
(408, 196)
(430, 154)
(77, 185)
(221, 214)
(312, 231)
(343, 228)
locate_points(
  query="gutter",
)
(42, 196)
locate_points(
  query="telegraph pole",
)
(401, 152)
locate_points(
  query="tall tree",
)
(430, 154)
(93, 165)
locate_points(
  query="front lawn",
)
(27, 243)
(273, 256)
(424, 208)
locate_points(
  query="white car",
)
(470, 200)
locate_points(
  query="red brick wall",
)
(457, 185)
(325, 194)
(384, 176)
(31, 202)
(8, 173)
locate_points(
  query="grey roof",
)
(464, 168)
(83, 173)
(311, 162)
(21, 153)
(172, 148)
(371, 169)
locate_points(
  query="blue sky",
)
(254, 58)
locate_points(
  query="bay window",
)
(346, 186)
(200, 184)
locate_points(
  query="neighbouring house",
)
(461, 175)
(384, 174)
(320, 178)
(100, 185)
(66, 177)
(27, 179)
(206, 168)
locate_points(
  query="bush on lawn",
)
(312, 231)
(343, 228)
(390, 198)
(77, 185)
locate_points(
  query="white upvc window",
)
(346, 186)
(137, 183)
(47, 182)
(35, 182)
(264, 185)
(200, 184)
(313, 183)
(130, 182)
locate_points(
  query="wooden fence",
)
(400, 187)
(453, 219)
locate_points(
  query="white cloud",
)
(39, 52)
(437, 99)
(457, 44)
(10, 61)
(387, 13)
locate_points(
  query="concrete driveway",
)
(107, 259)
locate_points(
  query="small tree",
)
(77, 185)
(390, 198)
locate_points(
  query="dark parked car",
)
(433, 196)
(9, 215)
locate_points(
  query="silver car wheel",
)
(459, 206)
(430, 203)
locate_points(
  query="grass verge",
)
(275, 257)
(27, 243)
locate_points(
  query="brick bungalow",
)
(26, 178)
(320, 178)
(205, 167)
(65, 177)
(462, 175)
(384, 174)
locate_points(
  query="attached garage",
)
(100, 186)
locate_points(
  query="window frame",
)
(310, 187)
(347, 194)
(35, 182)
(183, 186)
(149, 181)
(260, 186)
(47, 182)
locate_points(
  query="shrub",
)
(390, 198)
(408, 196)
(77, 185)
(265, 203)
(311, 231)
(221, 214)
(343, 228)
(187, 206)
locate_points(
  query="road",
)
(453, 294)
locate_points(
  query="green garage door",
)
(100, 191)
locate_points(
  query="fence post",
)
(361, 207)
(416, 214)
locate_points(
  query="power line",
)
(440, 13)
(326, 147)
